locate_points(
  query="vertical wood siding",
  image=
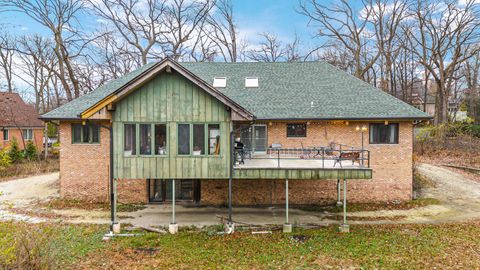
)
(170, 99)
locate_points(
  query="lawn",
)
(367, 246)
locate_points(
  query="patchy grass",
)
(380, 246)
(29, 168)
(360, 207)
(85, 205)
(47, 246)
(366, 246)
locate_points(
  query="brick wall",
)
(17, 134)
(84, 171)
(391, 165)
(84, 168)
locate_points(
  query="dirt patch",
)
(62, 204)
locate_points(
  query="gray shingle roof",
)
(306, 90)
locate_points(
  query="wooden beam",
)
(97, 107)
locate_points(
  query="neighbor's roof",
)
(304, 90)
(14, 112)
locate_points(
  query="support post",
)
(173, 226)
(344, 227)
(339, 193)
(45, 137)
(230, 225)
(287, 227)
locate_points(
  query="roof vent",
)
(251, 82)
(220, 82)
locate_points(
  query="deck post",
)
(339, 193)
(173, 226)
(230, 226)
(287, 227)
(344, 227)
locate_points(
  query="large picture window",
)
(130, 141)
(88, 133)
(160, 139)
(183, 139)
(383, 134)
(296, 130)
(198, 139)
(213, 139)
(145, 139)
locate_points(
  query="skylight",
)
(220, 82)
(251, 82)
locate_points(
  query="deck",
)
(315, 163)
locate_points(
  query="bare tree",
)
(270, 49)
(183, 18)
(38, 64)
(471, 71)
(344, 26)
(138, 23)
(7, 52)
(447, 36)
(224, 31)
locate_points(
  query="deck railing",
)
(325, 157)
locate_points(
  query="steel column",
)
(344, 201)
(230, 179)
(286, 200)
(339, 192)
(173, 202)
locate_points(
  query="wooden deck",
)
(299, 169)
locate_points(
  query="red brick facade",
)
(84, 170)
(17, 134)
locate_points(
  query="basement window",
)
(220, 82)
(86, 134)
(383, 134)
(251, 82)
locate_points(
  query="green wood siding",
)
(170, 99)
(314, 174)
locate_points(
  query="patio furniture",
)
(353, 156)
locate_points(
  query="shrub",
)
(5, 160)
(14, 153)
(31, 152)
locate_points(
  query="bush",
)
(5, 160)
(31, 152)
(14, 153)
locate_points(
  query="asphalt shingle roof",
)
(304, 90)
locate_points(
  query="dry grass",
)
(29, 168)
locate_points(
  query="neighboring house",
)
(173, 121)
(20, 121)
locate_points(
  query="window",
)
(383, 134)
(198, 139)
(213, 139)
(183, 139)
(5, 134)
(160, 139)
(130, 141)
(296, 130)
(220, 82)
(145, 139)
(27, 134)
(88, 133)
(251, 82)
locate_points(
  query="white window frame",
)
(27, 134)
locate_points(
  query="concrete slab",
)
(159, 215)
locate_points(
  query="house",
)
(20, 121)
(168, 122)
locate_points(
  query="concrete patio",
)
(160, 215)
